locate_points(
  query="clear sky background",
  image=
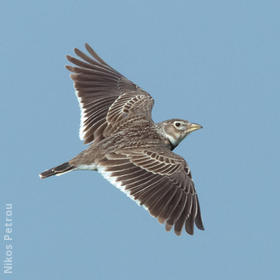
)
(212, 62)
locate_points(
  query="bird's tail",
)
(58, 170)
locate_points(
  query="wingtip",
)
(73, 76)
(178, 233)
(76, 51)
(201, 227)
(69, 58)
(189, 226)
(89, 49)
(161, 220)
(168, 227)
(68, 67)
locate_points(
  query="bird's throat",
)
(171, 141)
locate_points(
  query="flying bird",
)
(128, 148)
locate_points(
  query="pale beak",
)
(193, 127)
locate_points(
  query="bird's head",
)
(175, 130)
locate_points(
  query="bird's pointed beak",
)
(193, 127)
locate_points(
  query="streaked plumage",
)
(128, 148)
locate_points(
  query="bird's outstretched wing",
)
(158, 179)
(107, 99)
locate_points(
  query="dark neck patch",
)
(172, 147)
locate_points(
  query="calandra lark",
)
(128, 148)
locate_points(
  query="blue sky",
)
(211, 62)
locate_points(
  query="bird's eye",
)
(177, 124)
